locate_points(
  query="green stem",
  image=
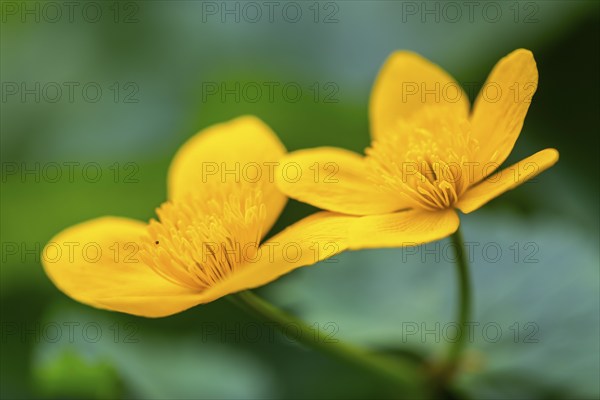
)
(464, 309)
(402, 374)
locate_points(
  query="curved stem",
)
(395, 371)
(464, 308)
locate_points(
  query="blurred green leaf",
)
(536, 284)
(70, 376)
(150, 365)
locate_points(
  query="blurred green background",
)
(143, 76)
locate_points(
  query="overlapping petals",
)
(429, 155)
(207, 242)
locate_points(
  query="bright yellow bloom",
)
(429, 153)
(206, 243)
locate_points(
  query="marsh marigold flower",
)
(206, 241)
(430, 154)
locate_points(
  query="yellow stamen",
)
(424, 160)
(203, 239)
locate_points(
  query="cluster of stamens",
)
(204, 238)
(424, 159)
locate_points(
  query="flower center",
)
(202, 239)
(424, 160)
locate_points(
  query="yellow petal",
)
(315, 238)
(406, 84)
(333, 179)
(507, 179)
(243, 151)
(402, 229)
(501, 107)
(96, 263)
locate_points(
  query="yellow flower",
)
(429, 153)
(205, 245)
